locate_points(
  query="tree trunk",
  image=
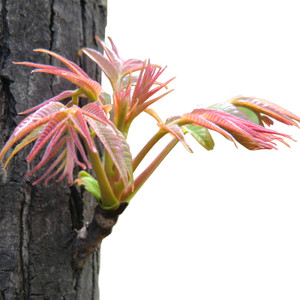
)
(38, 223)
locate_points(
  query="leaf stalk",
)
(143, 177)
(108, 198)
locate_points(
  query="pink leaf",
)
(55, 123)
(72, 66)
(61, 96)
(79, 146)
(52, 167)
(82, 128)
(31, 122)
(49, 153)
(72, 152)
(270, 109)
(201, 121)
(113, 144)
(177, 132)
(104, 64)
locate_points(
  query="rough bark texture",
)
(37, 223)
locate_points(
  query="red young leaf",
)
(33, 121)
(51, 150)
(72, 152)
(114, 67)
(143, 91)
(177, 132)
(56, 122)
(76, 75)
(248, 134)
(95, 111)
(270, 109)
(80, 123)
(198, 119)
(58, 126)
(52, 167)
(72, 66)
(61, 96)
(106, 66)
(112, 142)
(79, 146)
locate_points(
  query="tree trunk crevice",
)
(24, 241)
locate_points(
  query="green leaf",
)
(238, 111)
(252, 116)
(201, 135)
(107, 97)
(89, 183)
(231, 109)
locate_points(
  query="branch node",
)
(91, 234)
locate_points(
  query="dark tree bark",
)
(38, 223)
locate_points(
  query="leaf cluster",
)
(66, 133)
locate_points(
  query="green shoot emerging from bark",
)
(66, 134)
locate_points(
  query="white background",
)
(222, 224)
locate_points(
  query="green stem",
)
(75, 96)
(143, 177)
(113, 175)
(108, 198)
(137, 160)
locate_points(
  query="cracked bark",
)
(37, 223)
